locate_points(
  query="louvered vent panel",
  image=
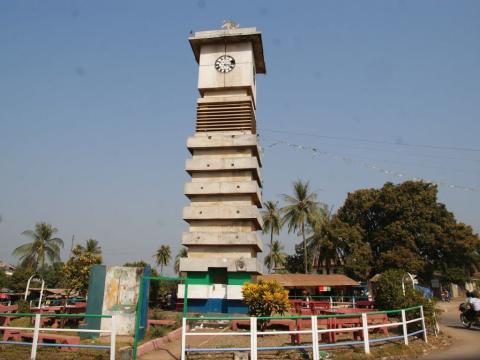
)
(225, 116)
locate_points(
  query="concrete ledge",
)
(157, 344)
(225, 188)
(225, 164)
(251, 265)
(222, 238)
(224, 212)
(218, 140)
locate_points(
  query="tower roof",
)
(231, 36)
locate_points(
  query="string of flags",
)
(314, 151)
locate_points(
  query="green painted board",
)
(238, 278)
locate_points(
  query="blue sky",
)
(97, 99)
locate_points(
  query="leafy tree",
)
(3, 278)
(265, 298)
(276, 257)
(297, 210)
(52, 275)
(272, 222)
(163, 256)
(18, 281)
(295, 263)
(405, 227)
(182, 253)
(44, 247)
(76, 270)
(92, 247)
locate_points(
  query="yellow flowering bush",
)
(265, 298)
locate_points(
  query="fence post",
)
(36, 331)
(315, 352)
(113, 337)
(253, 338)
(404, 326)
(353, 302)
(331, 303)
(423, 325)
(366, 342)
(184, 330)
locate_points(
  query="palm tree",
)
(297, 210)
(272, 221)
(276, 256)
(181, 254)
(92, 247)
(323, 242)
(163, 256)
(44, 246)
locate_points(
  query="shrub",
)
(389, 296)
(265, 298)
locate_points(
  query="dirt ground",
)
(465, 342)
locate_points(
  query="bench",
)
(163, 322)
(61, 339)
(11, 309)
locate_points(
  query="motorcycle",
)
(464, 307)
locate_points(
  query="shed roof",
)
(305, 280)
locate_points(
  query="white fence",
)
(37, 329)
(314, 331)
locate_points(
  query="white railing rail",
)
(315, 345)
(37, 329)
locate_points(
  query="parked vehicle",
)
(464, 318)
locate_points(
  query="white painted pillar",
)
(184, 330)
(113, 337)
(253, 338)
(423, 325)
(366, 342)
(36, 331)
(315, 352)
(404, 326)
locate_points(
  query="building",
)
(8, 268)
(226, 184)
(314, 284)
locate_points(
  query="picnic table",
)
(11, 309)
(17, 335)
(55, 321)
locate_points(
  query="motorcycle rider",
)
(474, 302)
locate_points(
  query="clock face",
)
(225, 63)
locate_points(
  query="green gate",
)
(142, 306)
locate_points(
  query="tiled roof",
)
(301, 280)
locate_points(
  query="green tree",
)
(92, 246)
(44, 247)
(405, 227)
(18, 281)
(297, 210)
(163, 256)
(3, 279)
(76, 270)
(53, 275)
(182, 253)
(276, 257)
(272, 222)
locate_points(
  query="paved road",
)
(466, 343)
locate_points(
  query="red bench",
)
(61, 339)
(6, 320)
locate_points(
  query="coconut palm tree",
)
(181, 254)
(92, 247)
(272, 221)
(163, 256)
(276, 256)
(44, 247)
(297, 210)
(323, 242)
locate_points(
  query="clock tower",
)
(225, 189)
